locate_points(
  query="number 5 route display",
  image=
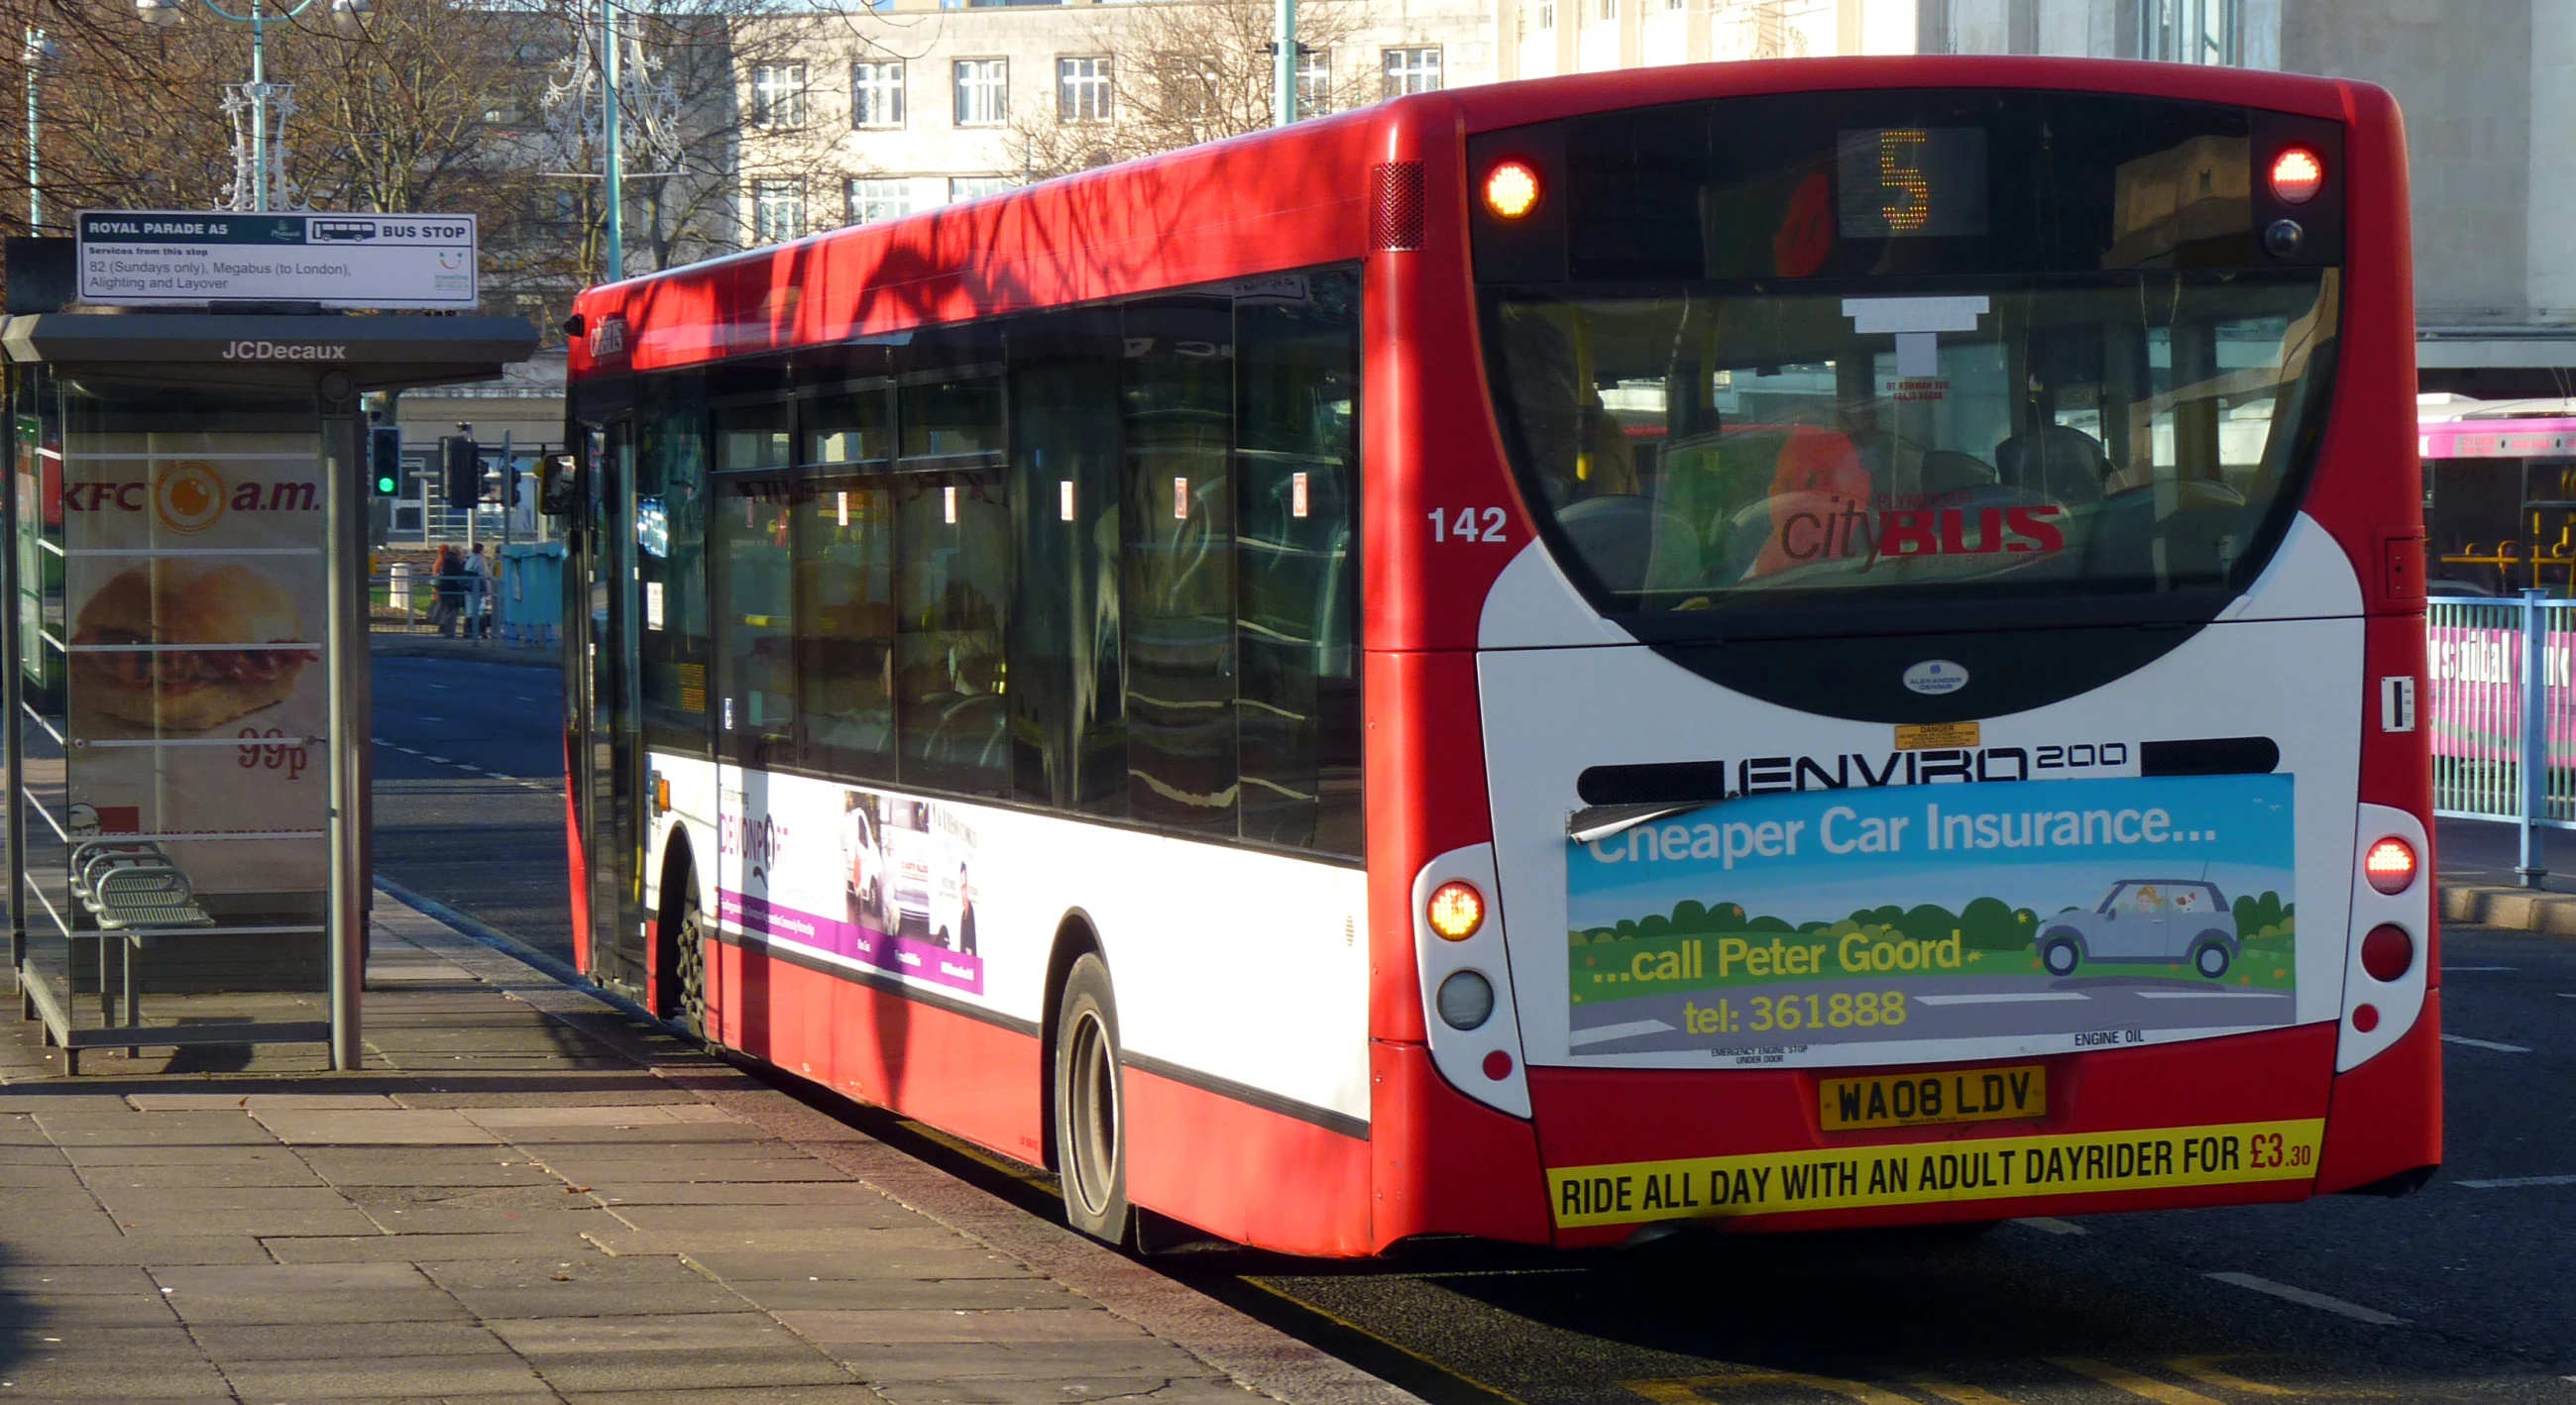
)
(2066, 914)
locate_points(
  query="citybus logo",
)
(284, 351)
(607, 337)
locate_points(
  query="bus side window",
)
(1068, 702)
(1297, 607)
(1177, 408)
(671, 537)
(952, 587)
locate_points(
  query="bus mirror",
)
(558, 494)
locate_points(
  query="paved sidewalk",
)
(528, 1196)
(2475, 861)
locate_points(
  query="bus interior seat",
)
(1633, 542)
(1950, 471)
(2057, 461)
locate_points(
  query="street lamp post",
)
(613, 161)
(39, 52)
(348, 16)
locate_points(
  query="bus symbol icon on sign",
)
(340, 231)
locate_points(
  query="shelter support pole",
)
(344, 644)
(2530, 868)
(13, 703)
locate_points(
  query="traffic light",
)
(463, 468)
(510, 483)
(384, 460)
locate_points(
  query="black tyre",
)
(2060, 956)
(1090, 1112)
(689, 964)
(2210, 958)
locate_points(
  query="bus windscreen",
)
(1978, 348)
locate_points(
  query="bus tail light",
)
(2390, 865)
(2297, 175)
(1511, 189)
(2388, 953)
(1466, 1000)
(1456, 910)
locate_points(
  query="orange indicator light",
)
(1511, 190)
(1456, 910)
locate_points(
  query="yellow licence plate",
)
(1925, 1099)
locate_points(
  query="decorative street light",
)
(39, 55)
(347, 16)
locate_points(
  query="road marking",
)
(2146, 1387)
(1685, 1390)
(441, 760)
(2046, 1225)
(2002, 998)
(2200, 1369)
(2210, 994)
(2484, 1044)
(2453, 970)
(1617, 1031)
(2567, 995)
(1956, 1393)
(475, 769)
(2515, 1182)
(2305, 1298)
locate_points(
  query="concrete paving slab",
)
(419, 1248)
(282, 1172)
(675, 1169)
(807, 1193)
(22, 1155)
(267, 1152)
(631, 1333)
(710, 1369)
(352, 1378)
(630, 1090)
(60, 1281)
(60, 1215)
(87, 1377)
(939, 1294)
(353, 1170)
(1181, 1391)
(599, 1115)
(392, 1127)
(1144, 1363)
(826, 1239)
(106, 1310)
(260, 1223)
(122, 1198)
(848, 1215)
(77, 1130)
(707, 1138)
(251, 1101)
(1074, 1319)
(740, 1395)
(959, 1259)
(334, 1341)
(138, 1250)
(560, 1222)
(274, 1279)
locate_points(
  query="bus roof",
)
(1270, 201)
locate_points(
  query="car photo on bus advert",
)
(2059, 914)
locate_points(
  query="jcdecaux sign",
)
(162, 258)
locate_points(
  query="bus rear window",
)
(1866, 363)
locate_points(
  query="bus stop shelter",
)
(187, 752)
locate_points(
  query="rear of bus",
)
(1950, 743)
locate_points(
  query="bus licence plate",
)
(1925, 1099)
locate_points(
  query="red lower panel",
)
(966, 1076)
(577, 863)
(1245, 1173)
(2388, 1112)
(1589, 1117)
(1445, 1163)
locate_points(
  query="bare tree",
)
(1189, 72)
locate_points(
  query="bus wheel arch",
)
(679, 939)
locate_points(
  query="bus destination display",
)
(1901, 182)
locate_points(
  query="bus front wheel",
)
(1090, 1122)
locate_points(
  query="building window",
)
(778, 95)
(1547, 14)
(778, 211)
(1412, 71)
(873, 200)
(983, 92)
(876, 94)
(1609, 9)
(1314, 82)
(961, 188)
(1082, 90)
(2192, 31)
(1676, 5)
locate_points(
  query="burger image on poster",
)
(172, 601)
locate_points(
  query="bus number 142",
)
(1472, 524)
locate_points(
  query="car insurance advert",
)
(2102, 912)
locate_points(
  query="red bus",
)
(1805, 644)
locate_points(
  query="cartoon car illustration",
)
(2146, 919)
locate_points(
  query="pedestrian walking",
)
(448, 594)
(478, 594)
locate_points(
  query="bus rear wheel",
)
(689, 967)
(1090, 1120)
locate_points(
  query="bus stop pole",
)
(344, 547)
